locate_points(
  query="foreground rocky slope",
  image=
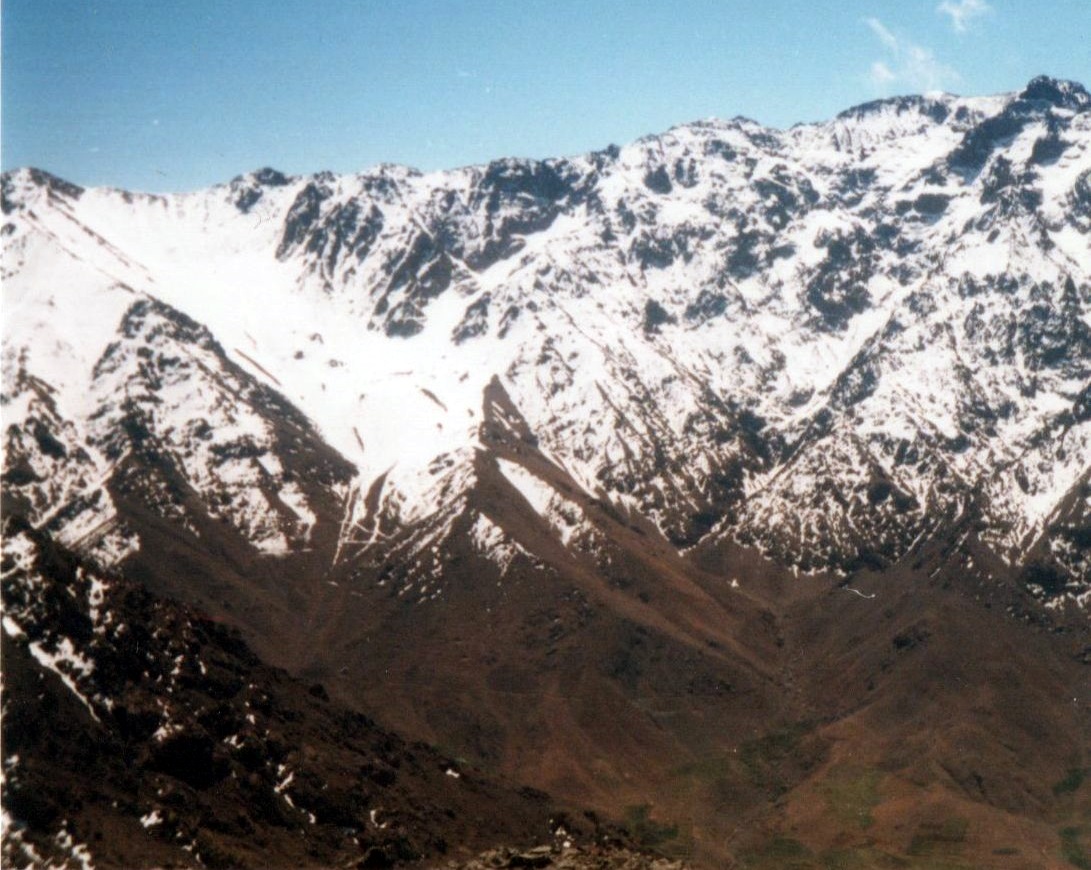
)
(138, 734)
(734, 482)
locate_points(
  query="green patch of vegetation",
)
(770, 763)
(1072, 849)
(706, 769)
(786, 847)
(861, 859)
(781, 852)
(763, 757)
(773, 747)
(1071, 782)
(851, 794)
(645, 830)
(939, 839)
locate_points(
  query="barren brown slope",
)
(919, 714)
(137, 734)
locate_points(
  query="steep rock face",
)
(53, 475)
(197, 440)
(176, 431)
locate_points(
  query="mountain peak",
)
(1062, 93)
(270, 177)
(934, 106)
(18, 184)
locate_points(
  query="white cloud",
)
(881, 74)
(885, 36)
(962, 12)
(924, 71)
(910, 66)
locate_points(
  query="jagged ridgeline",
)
(588, 470)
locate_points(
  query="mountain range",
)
(734, 484)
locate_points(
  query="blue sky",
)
(158, 95)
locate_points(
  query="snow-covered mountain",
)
(831, 341)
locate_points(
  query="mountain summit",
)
(620, 412)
